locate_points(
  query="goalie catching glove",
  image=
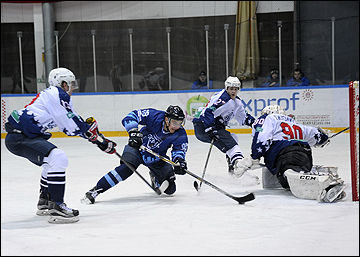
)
(245, 164)
(180, 167)
(93, 135)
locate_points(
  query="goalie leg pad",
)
(307, 186)
(269, 180)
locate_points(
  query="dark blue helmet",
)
(175, 112)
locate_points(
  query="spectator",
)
(298, 79)
(115, 78)
(85, 73)
(273, 79)
(201, 83)
(16, 78)
(155, 80)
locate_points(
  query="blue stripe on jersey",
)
(131, 120)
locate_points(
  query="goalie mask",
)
(59, 75)
(273, 109)
(232, 82)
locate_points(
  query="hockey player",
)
(161, 130)
(210, 123)
(27, 137)
(286, 148)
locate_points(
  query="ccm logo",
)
(308, 177)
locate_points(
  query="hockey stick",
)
(197, 187)
(341, 131)
(100, 140)
(157, 190)
(240, 200)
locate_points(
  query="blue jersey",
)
(304, 81)
(273, 132)
(202, 85)
(51, 108)
(155, 137)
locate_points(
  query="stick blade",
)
(244, 199)
(196, 185)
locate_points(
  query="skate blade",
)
(85, 200)
(42, 213)
(164, 186)
(63, 220)
(333, 198)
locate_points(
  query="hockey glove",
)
(107, 145)
(135, 138)
(181, 167)
(323, 139)
(93, 132)
(212, 132)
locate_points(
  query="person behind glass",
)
(272, 80)
(201, 83)
(16, 78)
(298, 79)
(115, 73)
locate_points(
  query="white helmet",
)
(58, 75)
(232, 82)
(273, 109)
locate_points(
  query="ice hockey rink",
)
(130, 219)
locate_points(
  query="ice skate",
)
(157, 187)
(334, 193)
(90, 196)
(42, 205)
(230, 166)
(60, 213)
(154, 182)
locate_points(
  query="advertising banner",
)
(325, 106)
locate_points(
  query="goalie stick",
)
(240, 200)
(196, 185)
(341, 131)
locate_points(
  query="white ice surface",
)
(130, 219)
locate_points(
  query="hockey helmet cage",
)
(232, 82)
(59, 75)
(175, 112)
(273, 109)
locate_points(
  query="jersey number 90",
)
(291, 132)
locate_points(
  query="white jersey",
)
(273, 132)
(223, 109)
(281, 127)
(50, 108)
